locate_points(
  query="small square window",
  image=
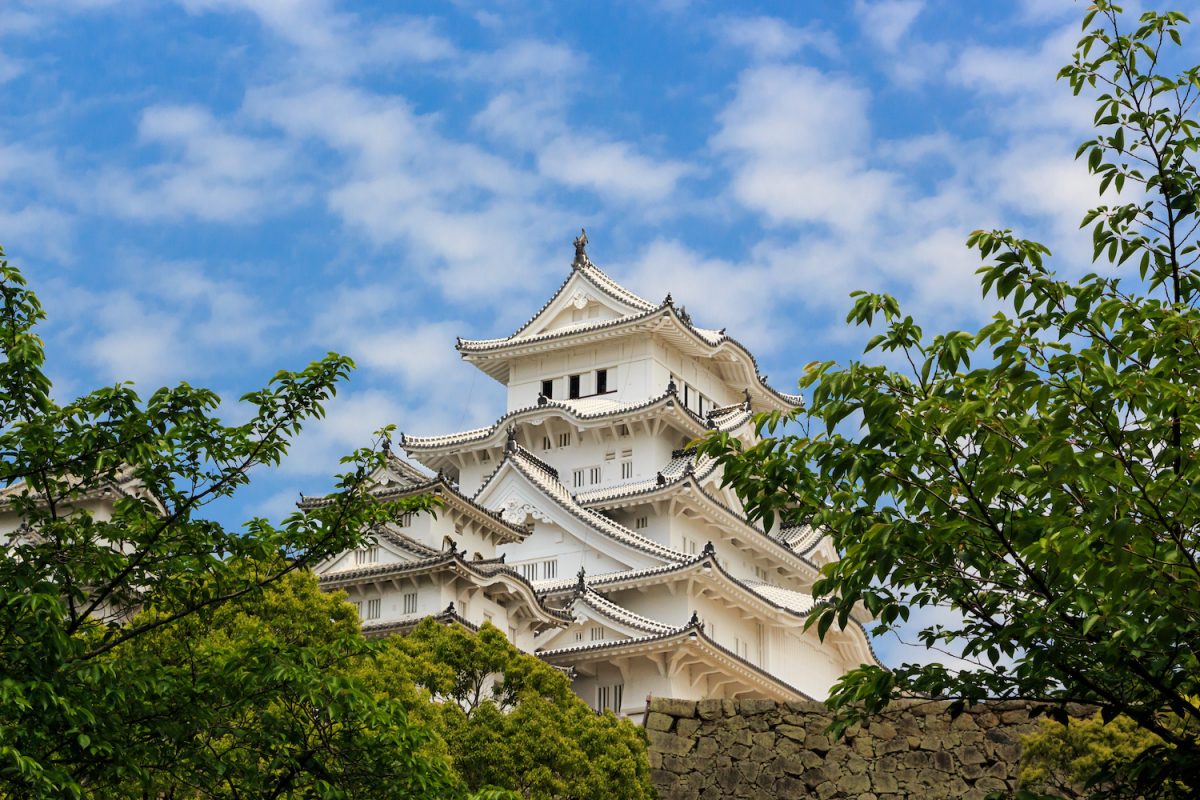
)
(548, 388)
(573, 387)
(601, 381)
(564, 440)
(410, 603)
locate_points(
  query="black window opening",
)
(601, 381)
(573, 383)
(548, 389)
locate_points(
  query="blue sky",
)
(210, 190)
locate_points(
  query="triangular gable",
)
(388, 553)
(593, 626)
(519, 499)
(583, 297)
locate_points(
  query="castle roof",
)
(583, 411)
(690, 637)
(401, 479)
(545, 478)
(633, 315)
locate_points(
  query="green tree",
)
(510, 720)
(1091, 757)
(81, 586)
(1045, 495)
(258, 697)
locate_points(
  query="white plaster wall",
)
(549, 540)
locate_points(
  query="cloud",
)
(336, 43)
(211, 173)
(167, 322)
(770, 38)
(885, 22)
(609, 168)
(796, 140)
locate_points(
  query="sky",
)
(212, 190)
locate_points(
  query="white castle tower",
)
(579, 524)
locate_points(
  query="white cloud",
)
(886, 22)
(773, 38)
(797, 142)
(215, 174)
(609, 168)
(333, 42)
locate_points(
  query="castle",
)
(580, 523)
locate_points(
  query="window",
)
(626, 470)
(689, 546)
(594, 475)
(410, 603)
(487, 616)
(579, 636)
(760, 573)
(579, 477)
(608, 698)
(548, 388)
(373, 608)
(597, 633)
(610, 456)
(545, 442)
(512, 633)
(366, 555)
(564, 439)
(601, 381)
(686, 404)
(622, 430)
(641, 523)
(550, 569)
(529, 571)
(700, 407)
(573, 387)
(486, 456)
(405, 520)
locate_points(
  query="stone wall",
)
(759, 748)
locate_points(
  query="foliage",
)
(1043, 498)
(80, 588)
(1090, 758)
(258, 698)
(512, 721)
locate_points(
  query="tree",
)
(259, 697)
(84, 580)
(1046, 495)
(512, 721)
(1091, 756)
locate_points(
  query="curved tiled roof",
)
(480, 569)
(438, 483)
(546, 479)
(599, 279)
(620, 614)
(692, 629)
(712, 339)
(582, 410)
(800, 539)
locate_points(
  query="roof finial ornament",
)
(387, 445)
(694, 622)
(542, 400)
(661, 479)
(668, 300)
(746, 391)
(708, 550)
(510, 444)
(581, 256)
(671, 387)
(684, 316)
(450, 609)
(580, 583)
